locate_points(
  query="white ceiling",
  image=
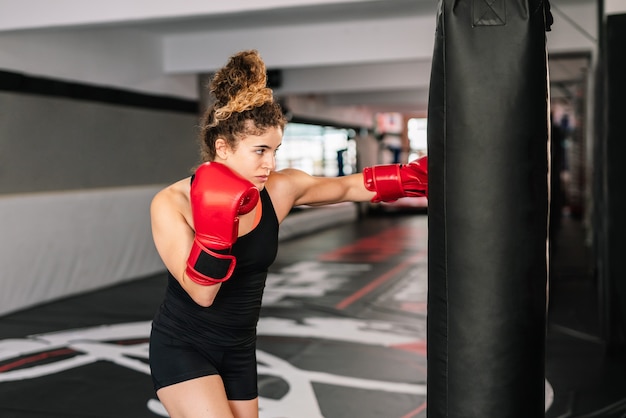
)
(373, 53)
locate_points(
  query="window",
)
(417, 137)
(317, 150)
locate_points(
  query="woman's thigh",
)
(245, 409)
(204, 397)
(200, 397)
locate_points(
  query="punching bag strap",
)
(488, 13)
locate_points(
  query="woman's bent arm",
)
(173, 236)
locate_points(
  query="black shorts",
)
(174, 361)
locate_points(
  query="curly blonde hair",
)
(242, 103)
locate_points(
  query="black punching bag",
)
(487, 210)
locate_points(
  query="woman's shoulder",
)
(174, 196)
(290, 177)
(286, 182)
(284, 187)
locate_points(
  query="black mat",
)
(342, 334)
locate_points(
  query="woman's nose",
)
(270, 162)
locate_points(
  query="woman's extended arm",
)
(292, 187)
(377, 183)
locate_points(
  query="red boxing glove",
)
(218, 196)
(393, 181)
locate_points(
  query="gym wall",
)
(79, 166)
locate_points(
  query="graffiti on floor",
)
(126, 345)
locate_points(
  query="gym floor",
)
(342, 334)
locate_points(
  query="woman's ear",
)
(221, 148)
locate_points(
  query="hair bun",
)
(240, 85)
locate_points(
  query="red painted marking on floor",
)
(377, 282)
(415, 307)
(415, 347)
(35, 358)
(416, 411)
(376, 248)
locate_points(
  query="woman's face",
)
(255, 156)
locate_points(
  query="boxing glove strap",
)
(208, 267)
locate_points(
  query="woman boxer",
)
(217, 233)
